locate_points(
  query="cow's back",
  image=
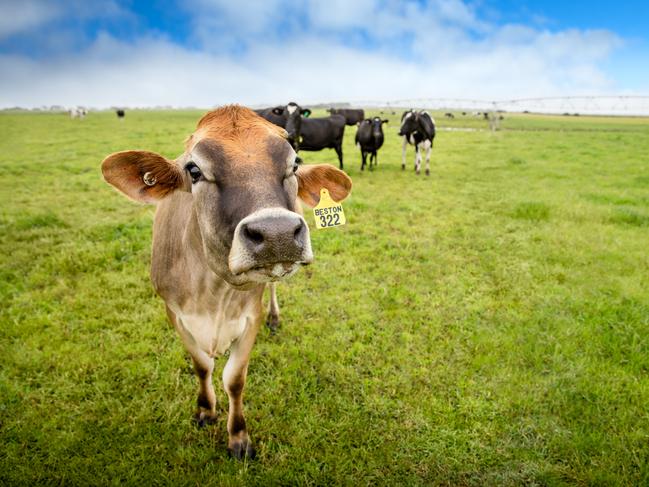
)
(321, 133)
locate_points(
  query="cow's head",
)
(377, 126)
(244, 181)
(293, 114)
(408, 122)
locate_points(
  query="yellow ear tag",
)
(328, 213)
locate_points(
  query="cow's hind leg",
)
(417, 159)
(339, 153)
(363, 158)
(234, 380)
(428, 145)
(272, 320)
(403, 153)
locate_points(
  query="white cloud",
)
(451, 53)
(19, 16)
(31, 16)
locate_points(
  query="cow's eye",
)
(296, 163)
(194, 172)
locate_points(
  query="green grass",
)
(488, 325)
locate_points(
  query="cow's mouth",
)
(271, 272)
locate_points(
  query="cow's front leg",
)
(403, 153)
(203, 366)
(272, 320)
(234, 380)
(206, 413)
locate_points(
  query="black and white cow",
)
(324, 133)
(78, 112)
(369, 138)
(418, 129)
(352, 115)
(120, 113)
(288, 117)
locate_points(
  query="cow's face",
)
(293, 114)
(244, 180)
(377, 126)
(408, 122)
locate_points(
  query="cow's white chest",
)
(212, 333)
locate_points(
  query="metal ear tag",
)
(149, 179)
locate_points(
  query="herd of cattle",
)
(314, 134)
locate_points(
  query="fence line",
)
(634, 105)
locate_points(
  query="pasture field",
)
(487, 325)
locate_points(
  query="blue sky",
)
(208, 52)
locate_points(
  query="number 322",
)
(330, 220)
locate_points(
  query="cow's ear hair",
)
(143, 176)
(312, 178)
(278, 110)
(385, 120)
(306, 112)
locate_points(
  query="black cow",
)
(352, 115)
(324, 133)
(449, 115)
(288, 117)
(369, 137)
(120, 113)
(418, 129)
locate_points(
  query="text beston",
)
(328, 211)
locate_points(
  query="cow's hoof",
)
(203, 418)
(427, 172)
(242, 450)
(403, 168)
(272, 322)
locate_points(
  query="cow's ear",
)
(306, 113)
(141, 175)
(278, 110)
(385, 120)
(312, 178)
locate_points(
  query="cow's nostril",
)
(253, 235)
(298, 231)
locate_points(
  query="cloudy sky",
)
(208, 52)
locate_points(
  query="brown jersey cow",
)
(226, 224)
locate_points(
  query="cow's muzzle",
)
(270, 244)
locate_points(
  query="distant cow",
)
(418, 129)
(78, 112)
(352, 115)
(288, 117)
(324, 133)
(226, 224)
(369, 137)
(120, 113)
(449, 115)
